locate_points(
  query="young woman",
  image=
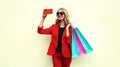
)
(60, 45)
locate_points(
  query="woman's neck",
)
(62, 24)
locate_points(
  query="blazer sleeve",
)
(40, 30)
(69, 38)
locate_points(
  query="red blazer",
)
(66, 40)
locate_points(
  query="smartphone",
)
(48, 11)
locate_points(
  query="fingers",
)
(44, 15)
(68, 25)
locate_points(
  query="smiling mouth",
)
(59, 16)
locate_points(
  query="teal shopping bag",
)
(81, 49)
(74, 46)
(85, 43)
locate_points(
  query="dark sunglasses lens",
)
(61, 13)
(57, 13)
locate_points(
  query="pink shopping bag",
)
(77, 47)
(84, 42)
(81, 49)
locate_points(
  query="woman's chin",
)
(60, 18)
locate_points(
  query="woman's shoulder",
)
(54, 25)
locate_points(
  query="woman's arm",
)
(68, 34)
(40, 29)
(67, 30)
(42, 20)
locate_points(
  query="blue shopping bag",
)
(85, 43)
(75, 52)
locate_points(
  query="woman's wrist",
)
(43, 18)
(67, 32)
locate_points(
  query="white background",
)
(22, 46)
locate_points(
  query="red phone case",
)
(48, 11)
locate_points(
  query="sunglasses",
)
(61, 13)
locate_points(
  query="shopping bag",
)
(81, 49)
(84, 42)
(74, 46)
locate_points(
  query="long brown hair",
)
(66, 18)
